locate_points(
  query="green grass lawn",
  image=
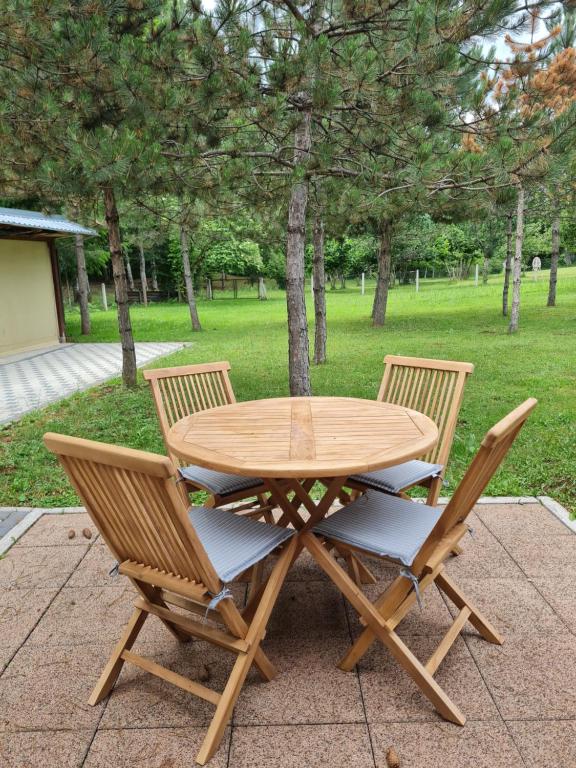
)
(444, 320)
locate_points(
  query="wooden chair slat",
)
(143, 518)
(381, 617)
(184, 390)
(432, 387)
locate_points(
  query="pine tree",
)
(83, 89)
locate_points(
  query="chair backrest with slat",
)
(179, 392)
(493, 449)
(433, 387)
(134, 503)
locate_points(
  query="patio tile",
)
(542, 558)
(42, 690)
(512, 521)
(443, 745)
(94, 570)
(306, 569)
(141, 700)
(152, 748)
(47, 567)
(97, 614)
(44, 749)
(544, 744)
(433, 619)
(483, 558)
(20, 609)
(308, 608)
(512, 605)
(529, 676)
(312, 746)
(52, 531)
(560, 592)
(391, 696)
(308, 688)
(5, 656)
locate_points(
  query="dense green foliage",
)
(445, 320)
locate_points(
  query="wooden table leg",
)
(317, 511)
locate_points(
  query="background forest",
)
(281, 139)
(295, 146)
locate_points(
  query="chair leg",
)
(116, 662)
(377, 624)
(477, 620)
(244, 661)
(386, 604)
(423, 679)
(153, 595)
(434, 491)
(256, 574)
(268, 515)
(358, 571)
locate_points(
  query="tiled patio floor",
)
(60, 613)
(34, 379)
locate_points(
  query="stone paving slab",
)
(10, 518)
(32, 381)
(60, 613)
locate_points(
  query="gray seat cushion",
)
(220, 483)
(383, 525)
(395, 479)
(234, 543)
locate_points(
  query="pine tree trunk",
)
(83, 286)
(143, 282)
(319, 293)
(185, 250)
(517, 266)
(555, 253)
(129, 273)
(121, 289)
(383, 279)
(154, 275)
(508, 265)
(485, 270)
(298, 349)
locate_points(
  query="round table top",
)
(302, 437)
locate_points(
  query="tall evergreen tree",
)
(83, 91)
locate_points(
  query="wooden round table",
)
(290, 442)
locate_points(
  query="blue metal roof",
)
(33, 220)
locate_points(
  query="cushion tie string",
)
(224, 594)
(407, 573)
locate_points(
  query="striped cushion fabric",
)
(220, 483)
(395, 479)
(381, 524)
(234, 543)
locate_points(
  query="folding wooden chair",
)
(176, 556)
(433, 387)
(179, 392)
(419, 538)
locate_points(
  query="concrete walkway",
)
(40, 377)
(61, 613)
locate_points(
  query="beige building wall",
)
(28, 316)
